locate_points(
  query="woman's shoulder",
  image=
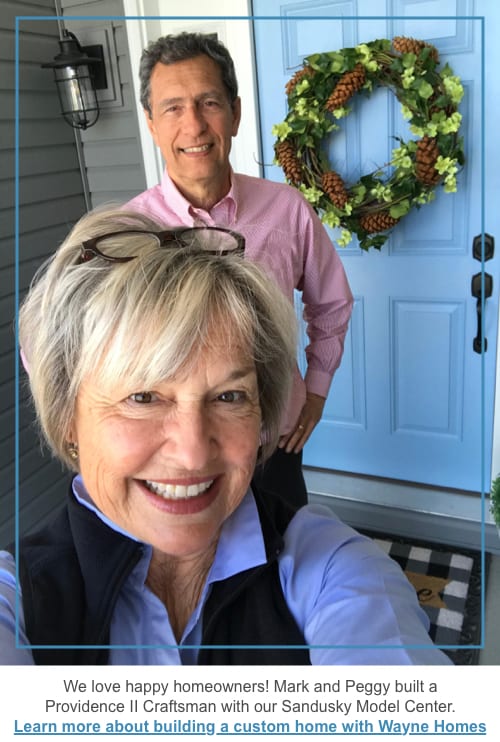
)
(318, 528)
(336, 580)
(323, 554)
(10, 621)
(7, 565)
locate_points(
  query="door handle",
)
(483, 246)
(477, 291)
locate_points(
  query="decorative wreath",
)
(317, 98)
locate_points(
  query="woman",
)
(159, 374)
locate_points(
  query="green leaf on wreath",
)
(425, 90)
(400, 209)
(408, 59)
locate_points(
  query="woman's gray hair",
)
(179, 47)
(147, 319)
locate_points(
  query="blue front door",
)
(407, 402)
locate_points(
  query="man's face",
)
(192, 121)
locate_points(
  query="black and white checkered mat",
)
(449, 583)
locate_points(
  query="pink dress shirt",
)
(284, 235)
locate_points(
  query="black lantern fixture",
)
(78, 73)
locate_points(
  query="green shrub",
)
(495, 500)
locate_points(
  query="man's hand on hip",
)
(309, 417)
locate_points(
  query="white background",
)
(25, 692)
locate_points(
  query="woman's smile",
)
(181, 499)
(175, 491)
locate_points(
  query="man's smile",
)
(196, 150)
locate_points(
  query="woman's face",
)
(170, 464)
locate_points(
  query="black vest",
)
(72, 571)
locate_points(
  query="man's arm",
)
(328, 302)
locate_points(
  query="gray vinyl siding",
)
(111, 149)
(50, 201)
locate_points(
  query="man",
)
(189, 93)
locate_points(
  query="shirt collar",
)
(223, 213)
(175, 200)
(241, 543)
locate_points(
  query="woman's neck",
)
(178, 583)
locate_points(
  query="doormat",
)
(448, 583)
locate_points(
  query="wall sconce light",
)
(78, 72)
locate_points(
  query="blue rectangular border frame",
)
(20, 19)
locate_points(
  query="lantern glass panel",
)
(77, 96)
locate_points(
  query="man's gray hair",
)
(179, 47)
(146, 320)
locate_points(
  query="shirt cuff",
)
(318, 382)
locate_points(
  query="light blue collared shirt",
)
(352, 603)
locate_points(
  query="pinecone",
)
(407, 45)
(348, 84)
(379, 222)
(287, 158)
(334, 187)
(425, 159)
(292, 82)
